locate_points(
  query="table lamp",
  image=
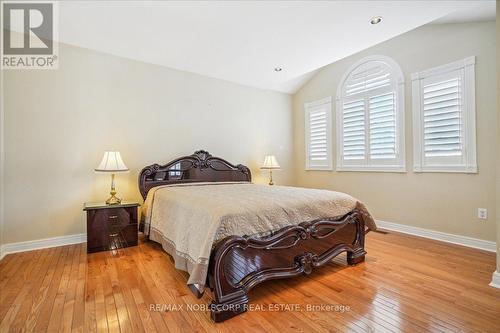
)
(270, 163)
(112, 163)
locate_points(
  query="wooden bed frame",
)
(237, 264)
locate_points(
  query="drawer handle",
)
(113, 217)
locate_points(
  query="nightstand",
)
(111, 227)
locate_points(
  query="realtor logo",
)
(28, 33)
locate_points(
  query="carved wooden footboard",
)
(238, 264)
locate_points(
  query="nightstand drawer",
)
(114, 215)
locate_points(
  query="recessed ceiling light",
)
(278, 69)
(376, 20)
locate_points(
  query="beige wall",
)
(439, 201)
(2, 122)
(59, 122)
(498, 139)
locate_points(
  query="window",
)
(318, 128)
(444, 125)
(175, 171)
(370, 117)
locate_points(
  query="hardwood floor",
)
(407, 284)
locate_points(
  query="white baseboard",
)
(41, 244)
(406, 229)
(440, 236)
(495, 280)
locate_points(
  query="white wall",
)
(438, 201)
(59, 122)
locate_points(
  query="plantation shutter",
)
(442, 110)
(382, 112)
(317, 143)
(444, 118)
(318, 134)
(370, 117)
(369, 133)
(354, 130)
(370, 76)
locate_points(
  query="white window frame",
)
(311, 106)
(399, 164)
(468, 162)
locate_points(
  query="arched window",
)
(370, 117)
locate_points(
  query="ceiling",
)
(243, 41)
(485, 11)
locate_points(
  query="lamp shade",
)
(270, 162)
(111, 162)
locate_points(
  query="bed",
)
(230, 234)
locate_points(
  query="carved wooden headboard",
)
(199, 167)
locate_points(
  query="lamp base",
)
(271, 177)
(113, 200)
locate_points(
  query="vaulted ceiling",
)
(244, 41)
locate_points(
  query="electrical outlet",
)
(482, 213)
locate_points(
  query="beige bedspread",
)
(188, 218)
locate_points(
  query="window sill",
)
(446, 169)
(319, 169)
(397, 169)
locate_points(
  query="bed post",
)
(357, 254)
(229, 300)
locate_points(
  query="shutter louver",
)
(354, 139)
(318, 135)
(382, 115)
(442, 118)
